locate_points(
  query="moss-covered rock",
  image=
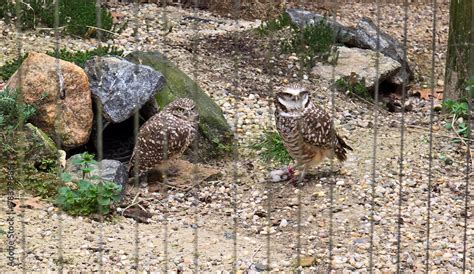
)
(212, 125)
(39, 146)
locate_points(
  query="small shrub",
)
(353, 86)
(80, 57)
(7, 70)
(77, 17)
(314, 42)
(271, 148)
(311, 43)
(458, 108)
(459, 111)
(12, 112)
(86, 198)
(85, 161)
(277, 24)
(77, 57)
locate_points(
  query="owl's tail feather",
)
(340, 149)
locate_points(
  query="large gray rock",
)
(366, 37)
(215, 133)
(302, 18)
(361, 62)
(363, 36)
(105, 170)
(121, 86)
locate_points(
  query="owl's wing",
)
(316, 128)
(161, 138)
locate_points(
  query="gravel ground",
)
(266, 214)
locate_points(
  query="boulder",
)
(361, 62)
(121, 86)
(63, 103)
(105, 170)
(302, 18)
(364, 36)
(212, 124)
(39, 146)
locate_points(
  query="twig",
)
(254, 254)
(101, 29)
(131, 204)
(50, 28)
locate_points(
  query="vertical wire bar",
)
(235, 145)
(402, 136)
(470, 91)
(270, 71)
(195, 62)
(136, 126)
(100, 147)
(299, 182)
(57, 139)
(374, 146)
(165, 181)
(333, 142)
(430, 165)
(21, 139)
(468, 173)
(164, 18)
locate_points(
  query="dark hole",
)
(118, 140)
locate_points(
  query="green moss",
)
(212, 123)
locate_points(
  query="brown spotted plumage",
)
(307, 130)
(165, 136)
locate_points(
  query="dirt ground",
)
(240, 219)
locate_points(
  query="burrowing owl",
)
(165, 136)
(307, 130)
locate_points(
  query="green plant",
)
(87, 198)
(271, 148)
(311, 43)
(76, 17)
(459, 111)
(80, 57)
(85, 161)
(13, 112)
(356, 87)
(77, 57)
(457, 108)
(276, 24)
(7, 70)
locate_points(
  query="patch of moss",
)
(212, 123)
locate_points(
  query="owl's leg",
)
(298, 179)
(172, 171)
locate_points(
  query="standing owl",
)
(306, 130)
(165, 136)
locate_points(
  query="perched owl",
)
(165, 136)
(306, 130)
